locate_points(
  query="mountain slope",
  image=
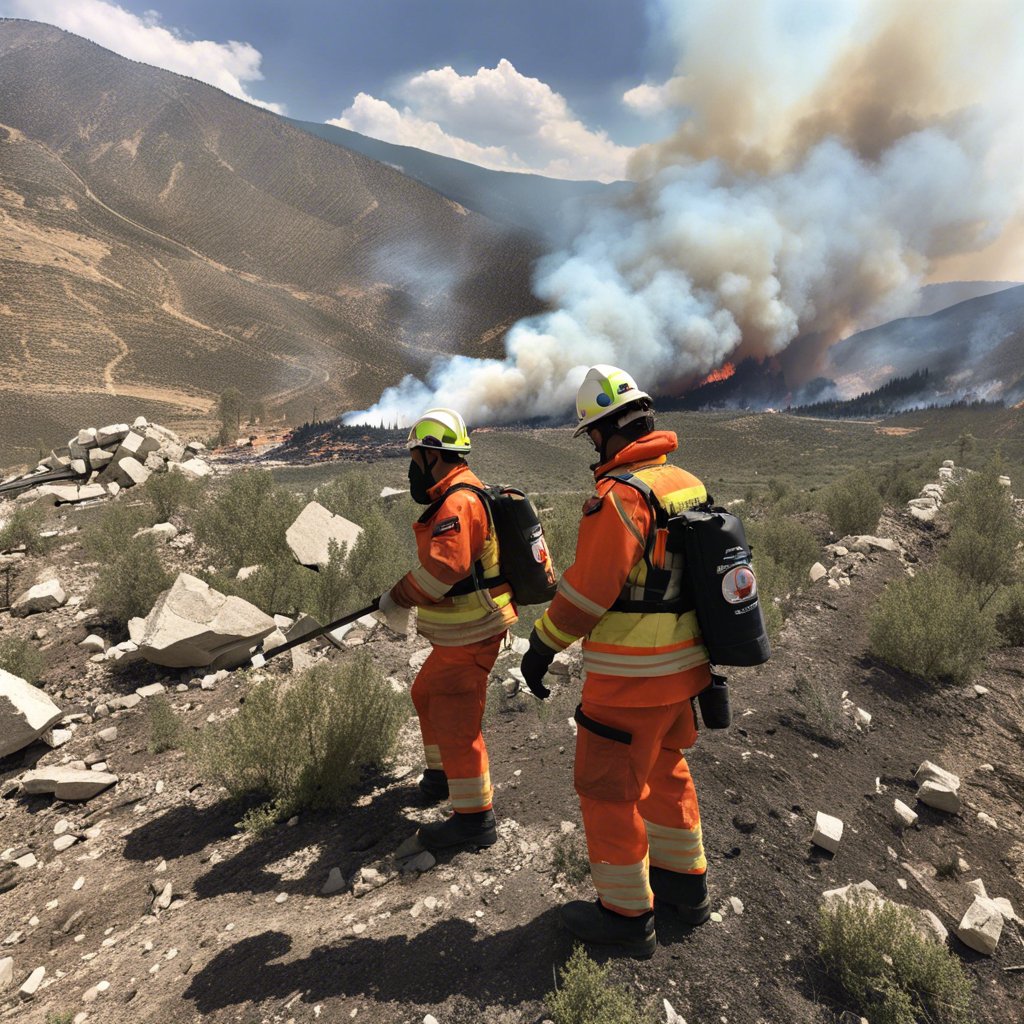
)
(532, 202)
(160, 240)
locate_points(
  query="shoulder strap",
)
(482, 492)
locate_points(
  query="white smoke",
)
(780, 208)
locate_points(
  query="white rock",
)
(113, 434)
(862, 718)
(671, 1015)
(163, 899)
(979, 690)
(420, 863)
(930, 772)
(309, 537)
(737, 904)
(930, 927)
(66, 783)
(941, 797)
(987, 819)
(107, 735)
(57, 737)
(929, 501)
(335, 882)
(194, 469)
(125, 472)
(193, 625)
(162, 532)
(865, 544)
(43, 597)
(818, 571)
(418, 658)
(924, 515)
(429, 1019)
(903, 814)
(26, 712)
(62, 843)
(981, 926)
(977, 886)
(1004, 481)
(828, 831)
(948, 464)
(6, 972)
(151, 690)
(245, 572)
(94, 644)
(1005, 907)
(35, 979)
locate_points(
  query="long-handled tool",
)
(260, 658)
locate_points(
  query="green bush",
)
(130, 581)
(350, 495)
(280, 586)
(569, 858)
(790, 545)
(985, 533)
(898, 482)
(888, 971)
(821, 712)
(245, 522)
(301, 743)
(1010, 616)
(587, 995)
(116, 525)
(173, 494)
(853, 504)
(23, 529)
(924, 626)
(21, 658)
(560, 516)
(166, 730)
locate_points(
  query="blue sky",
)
(432, 73)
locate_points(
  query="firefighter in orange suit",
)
(464, 609)
(644, 660)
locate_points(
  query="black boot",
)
(460, 830)
(434, 785)
(687, 895)
(617, 934)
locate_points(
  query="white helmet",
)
(440, 428)
(605, 390)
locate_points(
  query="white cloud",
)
(224, 65)
(647, 100)
(497, 118)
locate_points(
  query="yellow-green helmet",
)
(605, 390)
(440, 428)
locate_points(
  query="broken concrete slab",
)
(981, 926)
(162, 532)
(43, 597)
(828, 831)
(194, 469)
(817, 572)
(26, 712)
(126, 472)
(310, 536)
(112, 434)
(66, 783)
(928, 771)
(904, 815)
(941, 797)
(194, 626)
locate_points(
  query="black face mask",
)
(420, 481)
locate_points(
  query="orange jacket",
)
(632, 658)
(458, 536)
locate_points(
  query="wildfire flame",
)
(724, 372)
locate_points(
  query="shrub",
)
(569, 858)
(789, 544)
(172, 494)
(278, 587)
(886, 969)
(130, 581)
(898, 483)
(587, 996)
(106, 538)
(350, 495)
(166, 730)
(772, 588)
(245, 522)
(821, 712)
(23, 529)
(1010, 617)
(853, 504)
(20, 657)
(924, 626)
(984, 535)
(302, 743)
(560, 517)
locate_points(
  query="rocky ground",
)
(162, 910)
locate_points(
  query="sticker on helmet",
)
(739, 584)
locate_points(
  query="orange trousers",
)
(449, 695)
(637, 796)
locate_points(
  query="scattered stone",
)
(420, 863)
(310, 536)
(987, 819)
(924, 515)
(162, 532)
(930, 772)
(904, 815)
(335, 882)
(930, 927)
(66, 783)
(194, 469)
(941, 797)
(981, 926)
(151, 690)
(979, 690)
(26, 712)
(828, 831)
(281, 897)
(977, 886)
(26, 860)
(62, 843)
(737, 905)
(164, 897)
(35, 979)
(1005, 907)
(6, 972)
(43, 597)
(93, 643)
(818, 571)
(107, 735)
(862, 718)
(193, 625)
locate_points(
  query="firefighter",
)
(644, 660)
(464, 609)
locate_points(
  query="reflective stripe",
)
(467, 611)
(549, 631)
(644, 662)
(432, 754)
(623, 885)
(679, 501)
(468, 795)
(567, 590)
(458, 633)
(627, 522)
(430, 585)
(676, 849)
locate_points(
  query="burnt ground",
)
(486, 946)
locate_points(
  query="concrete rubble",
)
(26, 713)
(938, 788)
(43, 597)
(194, 626)
(981, 926)
(310, 536)
(66, 783)
(828, 831)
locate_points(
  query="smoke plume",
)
(815, 175)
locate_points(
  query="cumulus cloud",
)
(648, 99)
(228, 66)
(496, 117)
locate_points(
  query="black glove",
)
(535, 664)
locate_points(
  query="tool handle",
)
(260, 658)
